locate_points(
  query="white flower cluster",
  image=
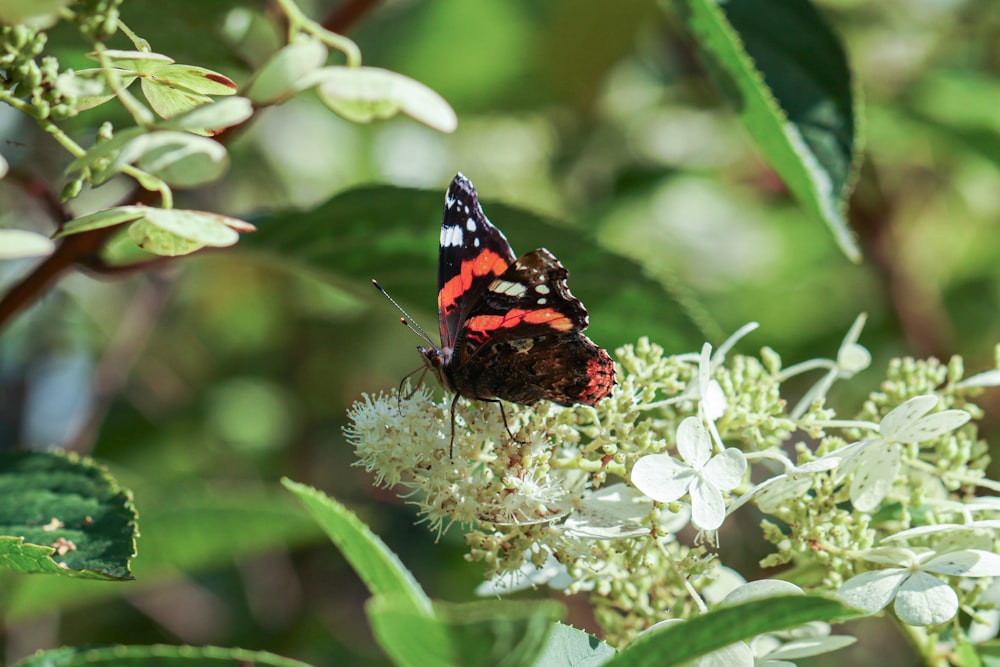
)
(592, 498)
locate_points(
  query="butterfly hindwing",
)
(473, 254)
(562, 368)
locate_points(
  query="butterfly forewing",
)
(473, 254)
(530, 299)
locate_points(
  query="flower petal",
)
(923, 599)
(933, 425)
(872, 591)
(876, 469)
(708, 508)
(966, 563)
(906, 413)
(726, 470)
(694, 444)
(661, 477)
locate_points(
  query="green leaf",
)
(787, 75)
(20, 243)
(99, 219)
(194, 79)
(104, 150)
(60, 514)
(159, 655)
(168, 102)
(280, 76)
(179, 158)
(378, 567)
(140, 62)
(363, 94)
(680, 642)
(568, 647)
(215, 116)
(39, 14)
(989, 653)
(492, 634)
(336, 241)
(188, 529)
(173, 232)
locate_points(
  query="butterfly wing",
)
(563, 368)
(529, 299)
(473, 254)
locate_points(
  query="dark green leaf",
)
(787, 75)
(187, 529)
(61, 514)
(680, 642)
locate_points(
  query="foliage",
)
(200, 158)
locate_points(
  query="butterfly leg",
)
(451, 445)
(399, 391)
(503, 415)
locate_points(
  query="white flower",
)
(984, 379)
(852, 358)
(775, 492)
(703, 476)
(920, 597)
(875, 462)
(612, 512)
(551, 573)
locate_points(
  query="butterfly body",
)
(510, 328)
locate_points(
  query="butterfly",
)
(510, 328)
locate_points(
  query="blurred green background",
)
(588, 127)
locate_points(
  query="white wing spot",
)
(542, 289)
(467, 210)
(449, 201)
(451, 237)
(507, 287)
(542, 301)
(475, 242)
(470, 224)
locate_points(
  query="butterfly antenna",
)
(406, 320)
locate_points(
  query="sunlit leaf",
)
(282, 73)
(105, 218)
(19, 243)
(168, 102)
(787, 75)
(215, 116)
(364, 94)
(173, 232)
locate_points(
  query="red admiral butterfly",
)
(510, 328)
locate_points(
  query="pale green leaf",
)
(106, 218)
(20, 243)
(168, 102)
(363, 94)
(173, 232)
(280, 76)
(179, 158)
(215, 116)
